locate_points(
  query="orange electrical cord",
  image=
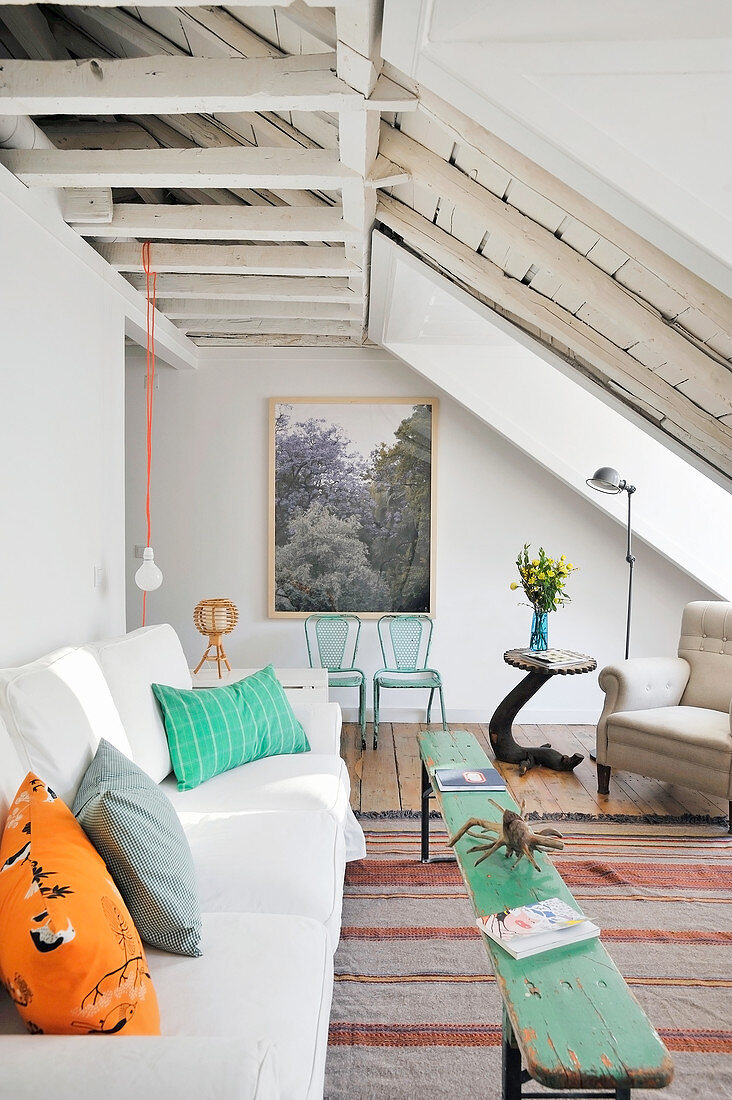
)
(150, 281)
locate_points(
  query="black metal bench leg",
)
(622, 1093)
(510, 1063)
(426, 790)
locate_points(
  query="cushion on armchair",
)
(212, 730)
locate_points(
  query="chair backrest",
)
(405, 641)
(332, 640)
(706, 643)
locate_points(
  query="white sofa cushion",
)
(303, 781)
(12, 773)
(173, 1068)
(322, 724)
(150, 655)
(57, 709)
(264, 978)
(289, 862)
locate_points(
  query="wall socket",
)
(139, 551)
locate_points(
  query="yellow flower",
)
(514, 586)
(550, 572)
(569, 565)
(542, 577)
(535, 561)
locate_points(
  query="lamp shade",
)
(606, 480)
(148, 577)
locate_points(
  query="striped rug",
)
(416, 1011)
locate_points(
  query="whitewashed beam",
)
(316, 22)
(89, 134)
(223, 309)
(156, 3)
(279, 340)
(359, 44)
(191, 131)
(120, 32)
(93, 206)
(604, 361)
(223, 34)
(175, 85)
(245, 167)
(358, 65)
(29, 27)
(230, 259)
(464, 131)
(222, 223)
(247, 288)
(265, 327)
(558, 259)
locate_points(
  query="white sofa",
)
(270, 840)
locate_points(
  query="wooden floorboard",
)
(388, 779)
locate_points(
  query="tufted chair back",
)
(706, 643)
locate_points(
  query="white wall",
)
(210, 533)
(61, 440)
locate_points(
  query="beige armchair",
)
(671, 717)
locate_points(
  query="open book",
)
(540, 926)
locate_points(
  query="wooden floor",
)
(388, 778)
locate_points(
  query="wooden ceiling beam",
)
(602, 360)
(29, 27)
(230, 259)
(542, 248)
(222, 309)
(464, 131)
(179, 85)
(223, 223)
(276, 340)
(247, 288)
(309, 169)
(264, 327)
(156, 3)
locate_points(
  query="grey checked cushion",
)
(136, 831)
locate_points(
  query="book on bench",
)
(541, 926)
(469, 779)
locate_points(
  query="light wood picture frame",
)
(351, 505)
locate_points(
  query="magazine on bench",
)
(469, 779)
(540, 926)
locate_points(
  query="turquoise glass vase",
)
(539, 630)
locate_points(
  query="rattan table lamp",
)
(215, 618)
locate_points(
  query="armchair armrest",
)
(642, 683)
(118, 1067)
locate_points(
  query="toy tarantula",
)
(513, 834)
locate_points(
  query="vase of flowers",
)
(543, 580)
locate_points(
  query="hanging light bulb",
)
(148, 577)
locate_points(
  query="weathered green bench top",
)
(576, 1023)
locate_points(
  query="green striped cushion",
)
(211, 730)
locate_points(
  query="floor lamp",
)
(607, 480)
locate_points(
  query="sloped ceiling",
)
(259, 145)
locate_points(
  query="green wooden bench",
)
(569, 1020)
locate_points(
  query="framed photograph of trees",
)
(351, 505)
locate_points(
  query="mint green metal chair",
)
(332, 641)
(405, 645)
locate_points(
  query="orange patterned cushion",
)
(70, 956)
